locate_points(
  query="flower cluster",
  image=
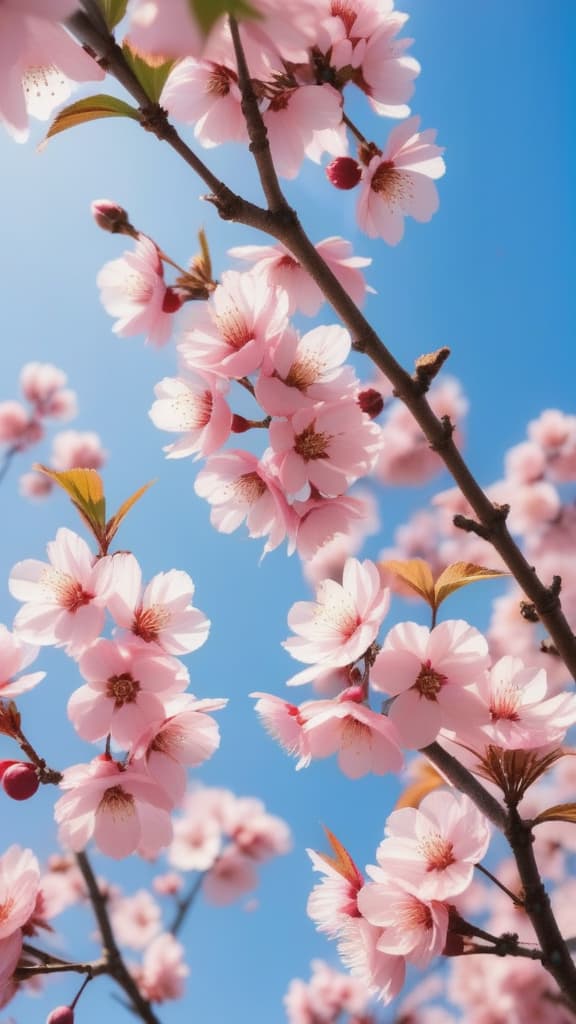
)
(21, 911)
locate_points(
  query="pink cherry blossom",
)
(10, 950)
(432, 673)
(125, 692)
(358, 949)
(19, 886)
(434, 848)
(399, 182)
(166, 29)
(523, 714)
(64, 599)
(197, 834)
(186, 737)
(230, 334)
(133, 289)
(159, 614)
(207, 95)
(328, 447)
(412, 927)
(44, 386)
(37, 60)
(334, 900)
(18, 429)
(364, 741)
(14, 656)
(161, 976)
(340, 625)
(241, 487)
(304, 121)
(73, 449)
(123, 810)
(328, 994)
(284, 723)
(279, 268)
(305, 370)
(136, 919)
(195, 407)
(329, 530)
(256, 833)
(231, 875)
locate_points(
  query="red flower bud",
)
(171, 302)
(239, 424)
(61, 1015)
(344, 172)
(4, 765)
(20, 780)
(371, 402)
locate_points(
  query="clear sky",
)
(491, 276)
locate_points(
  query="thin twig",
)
(185, 904)
(515, 899)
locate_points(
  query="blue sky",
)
(491, 276)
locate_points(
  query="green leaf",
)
(85, 488)
(151, 72)
(207, 12)
(90, 109)
(113, 523)
(113, 11)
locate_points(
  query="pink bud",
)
(371, 402)
(20, 780)
(110, 216)
(344, 172)
(61, 1015)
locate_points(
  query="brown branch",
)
(184, 905)
(46, 775)
(116, 967)
(555, 953)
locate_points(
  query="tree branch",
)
(467, 783)
(116, 967)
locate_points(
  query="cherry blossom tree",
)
(474, 722)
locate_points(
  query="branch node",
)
(528, 611)
(428, 366)
(447, 429)
(470, 526)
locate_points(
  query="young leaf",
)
(90, 109)
(560, 812)
(426, 780)
(460, 574)
(416, 573)
(341, 861)
(207, 12)
(151, 72)
(114, 522)
(85, 488)
(113, 11)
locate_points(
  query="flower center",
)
(6, 909)
(504, 704)
(309, 445)
(429, 681)
(342, 9)
(437, 851)
(193, 411)
(303, 373)
(218, 83)
(117, 802)
(233, 327)
(149, 621)
(68, 592)
(122, 689)
(391, 184)
(249, 488)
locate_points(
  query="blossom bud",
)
(20, 780)
(371, 402)
(239, 424)
(110, 216)
(4, 765)
(344, 172)
(171, 302)
(61, 1015)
